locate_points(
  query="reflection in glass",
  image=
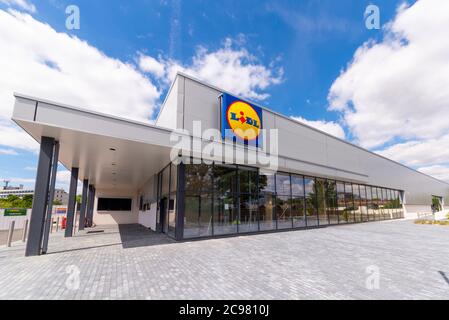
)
(298, 202)
(283, 212)
(248, 213)
(331, 202)
(267, 218)
(320, 192)
(282, 184)
(311, 212)
(225, 179)
(369, 203)
(198, 177)
(225, 215)
(363, 205)
(248, 180)
(266, 183)
(376, 203)
(341, 203)
(349, 199)
(356, 201)
(197, 216)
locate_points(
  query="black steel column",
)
(180, 200)
(90, 205)
(93, 206)
(72, 203)
(33, 247)
(83, 215)
(51, 195)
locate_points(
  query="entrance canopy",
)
(110, 152)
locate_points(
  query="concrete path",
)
(378, 260)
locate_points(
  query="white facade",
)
(142, 150)
(306, 150)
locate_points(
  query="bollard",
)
(10, 233)
(25, 231)
(57, 224)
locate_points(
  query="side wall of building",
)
(305, 150)
(148, 195)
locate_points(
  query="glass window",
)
(165, 181)
(311, 210)
(331, 201)
(398, 203)
(174, 178)
(267, 218)
(356, 201)
(282, 184)
(341, 203)
(198, 177)
(298, 202)
(363, 205)
(172, 214)
(375, 202)
(198, 216)
(388, 204)
(266, 183)
(369, 203)
(297, 185)
(248, 213)
(385, 210)
(225, 214)
(225, 179)
(283, 212)
(320, 191)
(248, 180)
(349, 199)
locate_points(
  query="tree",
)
(27, 201)
(57, 202)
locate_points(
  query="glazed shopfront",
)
(223, 199)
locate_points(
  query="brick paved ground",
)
(17, 235)
(329, 263)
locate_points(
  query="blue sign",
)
(241, 121)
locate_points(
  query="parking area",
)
(379, 260)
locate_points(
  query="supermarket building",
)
(264, 171)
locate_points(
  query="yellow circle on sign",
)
(243, 120)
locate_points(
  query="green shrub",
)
(441, 223)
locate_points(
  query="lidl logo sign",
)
(241, 120)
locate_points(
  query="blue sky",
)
(306, 45)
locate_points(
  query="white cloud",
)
(400, 86)
(398, 89)
(23, 4)
(230, 68)
(41, 62)
(9, 152)
(151, 65)
(419, 153)
(27, 182)
(30, 168)
(330, 127)
(437, 171)
(63, 181)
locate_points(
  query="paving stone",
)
(131, 262)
